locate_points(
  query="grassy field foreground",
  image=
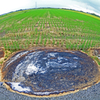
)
(49, 28)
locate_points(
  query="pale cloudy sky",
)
(92, 6)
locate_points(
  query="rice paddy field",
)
(61, 28)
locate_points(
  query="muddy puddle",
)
(45, 72)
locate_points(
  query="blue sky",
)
(92, 6)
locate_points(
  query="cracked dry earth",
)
(49, 72)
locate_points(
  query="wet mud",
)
(45, 72)
(1, 53)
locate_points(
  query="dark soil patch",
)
(1, 53)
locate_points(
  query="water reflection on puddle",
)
(50, 71)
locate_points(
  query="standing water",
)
(45, 72)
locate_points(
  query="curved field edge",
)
(86, 14)
(20, 11)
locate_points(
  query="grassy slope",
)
(49, 27)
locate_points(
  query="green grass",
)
(49, 27)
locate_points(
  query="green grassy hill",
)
(49, 28)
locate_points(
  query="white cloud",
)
(82, 7)
(12, 5)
